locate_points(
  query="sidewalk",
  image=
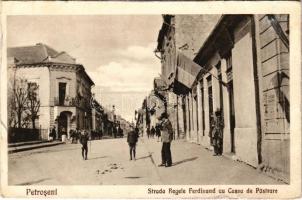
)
(193, 164)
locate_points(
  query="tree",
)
(23, 103)
(17, 103)
(32, 103)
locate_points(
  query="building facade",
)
(64, 86)
(238, 64)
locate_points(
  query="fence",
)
(26, 134)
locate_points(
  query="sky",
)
(116, 51)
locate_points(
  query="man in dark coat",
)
(167, 136)
(132, 140)
(53, 133)
(152, 132)
(157, 132)
(84, 140)
(218, 125)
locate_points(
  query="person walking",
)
(152, 132)
(157, 132)
(218, 125)
(53, 133)
(132, 140)
(84, 140)
(148, 132)
(167, 136)
(120, 131)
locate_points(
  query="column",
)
(226, 110)
(199, 105)
(188, 117)
(180, 117)
(206, 140)
(192, 117)
(215, 89)
(194, 113)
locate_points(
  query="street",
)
(108, 164)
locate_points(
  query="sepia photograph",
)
(138, 99)
(149, 103)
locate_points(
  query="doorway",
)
(232, 115)
(62, 125)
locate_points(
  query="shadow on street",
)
(34, 182)
(97, 157)
(185, 160)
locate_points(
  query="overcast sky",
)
(117, 51)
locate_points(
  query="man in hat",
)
(132, 140)
(218, 125)
(167, 136)
(84, 137)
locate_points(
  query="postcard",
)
(151, 99)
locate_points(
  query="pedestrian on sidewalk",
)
(157, 132)
(167, 136)
(132, 140)
(152, 132)
(77, 135)
(218, 133)
(84, 140)
(148, 132)
(52, 134)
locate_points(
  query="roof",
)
(39, 53)
(42, 54)
(219, 39)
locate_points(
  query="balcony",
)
(72, 102)
(68, 101)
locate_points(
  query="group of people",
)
(76, 135)
(153, 132)
(164, 129)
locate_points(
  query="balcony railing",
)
(68, 101)
(71, 102)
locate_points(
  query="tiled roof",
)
(38, 53)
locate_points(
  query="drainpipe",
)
(257, 83)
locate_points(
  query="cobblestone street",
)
(108, 164)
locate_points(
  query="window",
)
(210, 99)
(62, 93)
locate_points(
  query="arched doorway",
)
(64, 124)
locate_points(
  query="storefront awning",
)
(187, 71)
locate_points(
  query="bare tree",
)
(33, 103)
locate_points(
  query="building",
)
(64, 86)
(178, 42)
(239, 65)
(97, 118)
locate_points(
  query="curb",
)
(15, 150)
(11, 145)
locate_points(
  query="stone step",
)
(17, 144)
(33, 146)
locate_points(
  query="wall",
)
(192, 31)
(275, 75)
(62, 75)
(39, 75)
(244, 95)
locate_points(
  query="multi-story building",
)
(241, 67)
(178, 42)
(64, 86)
